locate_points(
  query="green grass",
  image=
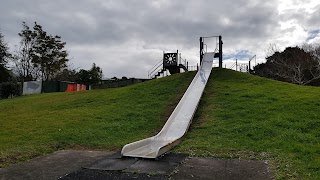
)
(239, 116)
(99, 119)
(245, 116)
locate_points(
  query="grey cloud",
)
(240, 55)
(176, 22)
(157, 25)
(313, 19)
(313, 34)
(301, 16)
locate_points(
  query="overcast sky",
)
(127, 38)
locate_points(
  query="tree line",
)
(39, 56)
(298, 65)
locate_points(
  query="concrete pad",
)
(68, 164)
(163, 165)
(152, 167)
(116, 155)
(222, 169)
(173, 157)
(91, 174)
(113, 164)
(51, 166)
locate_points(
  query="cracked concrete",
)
(74, 164)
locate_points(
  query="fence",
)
(118, 83)
(32, 87)
(37, 87)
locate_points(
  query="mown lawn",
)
(244, 116)
(98, 119)
(239, 116)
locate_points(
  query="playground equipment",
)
(244, 67)
(217, 51)
(180, 119)
(172, 62)
(178, 122)
(255, 62)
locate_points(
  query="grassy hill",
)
(245, 116)
(240, 116)
(99, 119)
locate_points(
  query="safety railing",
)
(158, 67)
(233, 65)
(241, 67)
(193, 68)
(155, 69)
(183, 62)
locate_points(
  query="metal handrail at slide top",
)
(154, 68)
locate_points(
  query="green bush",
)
(10, 89)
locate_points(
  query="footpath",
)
(95, 165)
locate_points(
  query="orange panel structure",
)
(71, 87)
(76, 87)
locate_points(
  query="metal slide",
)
(179, 121)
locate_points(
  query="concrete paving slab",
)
(52, 166)
(222, 169)
(152, 167)
(91, 174)
(68, 164)
(173, 157)
(113, 164)
(116, 155)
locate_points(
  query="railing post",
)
(236, 65)
(201, 49)
(163, 61)
(220, 51)
(187, 65)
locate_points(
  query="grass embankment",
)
(245, 116)
(99, 119)
(239, 116)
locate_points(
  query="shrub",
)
(10, 89)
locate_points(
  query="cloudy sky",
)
(128, 37)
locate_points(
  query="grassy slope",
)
(245, 116)
(99, 119)
(239, 116)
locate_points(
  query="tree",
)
(40, 56)
(314, 72)
(48, 53)
(92, 76)
(4, 51)
(23, 56)
(8, 84)
(96, 74)
(10, 89)
(294, 65)
(67, 75)
(84, 77)
(4, 56)
(114, 78)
